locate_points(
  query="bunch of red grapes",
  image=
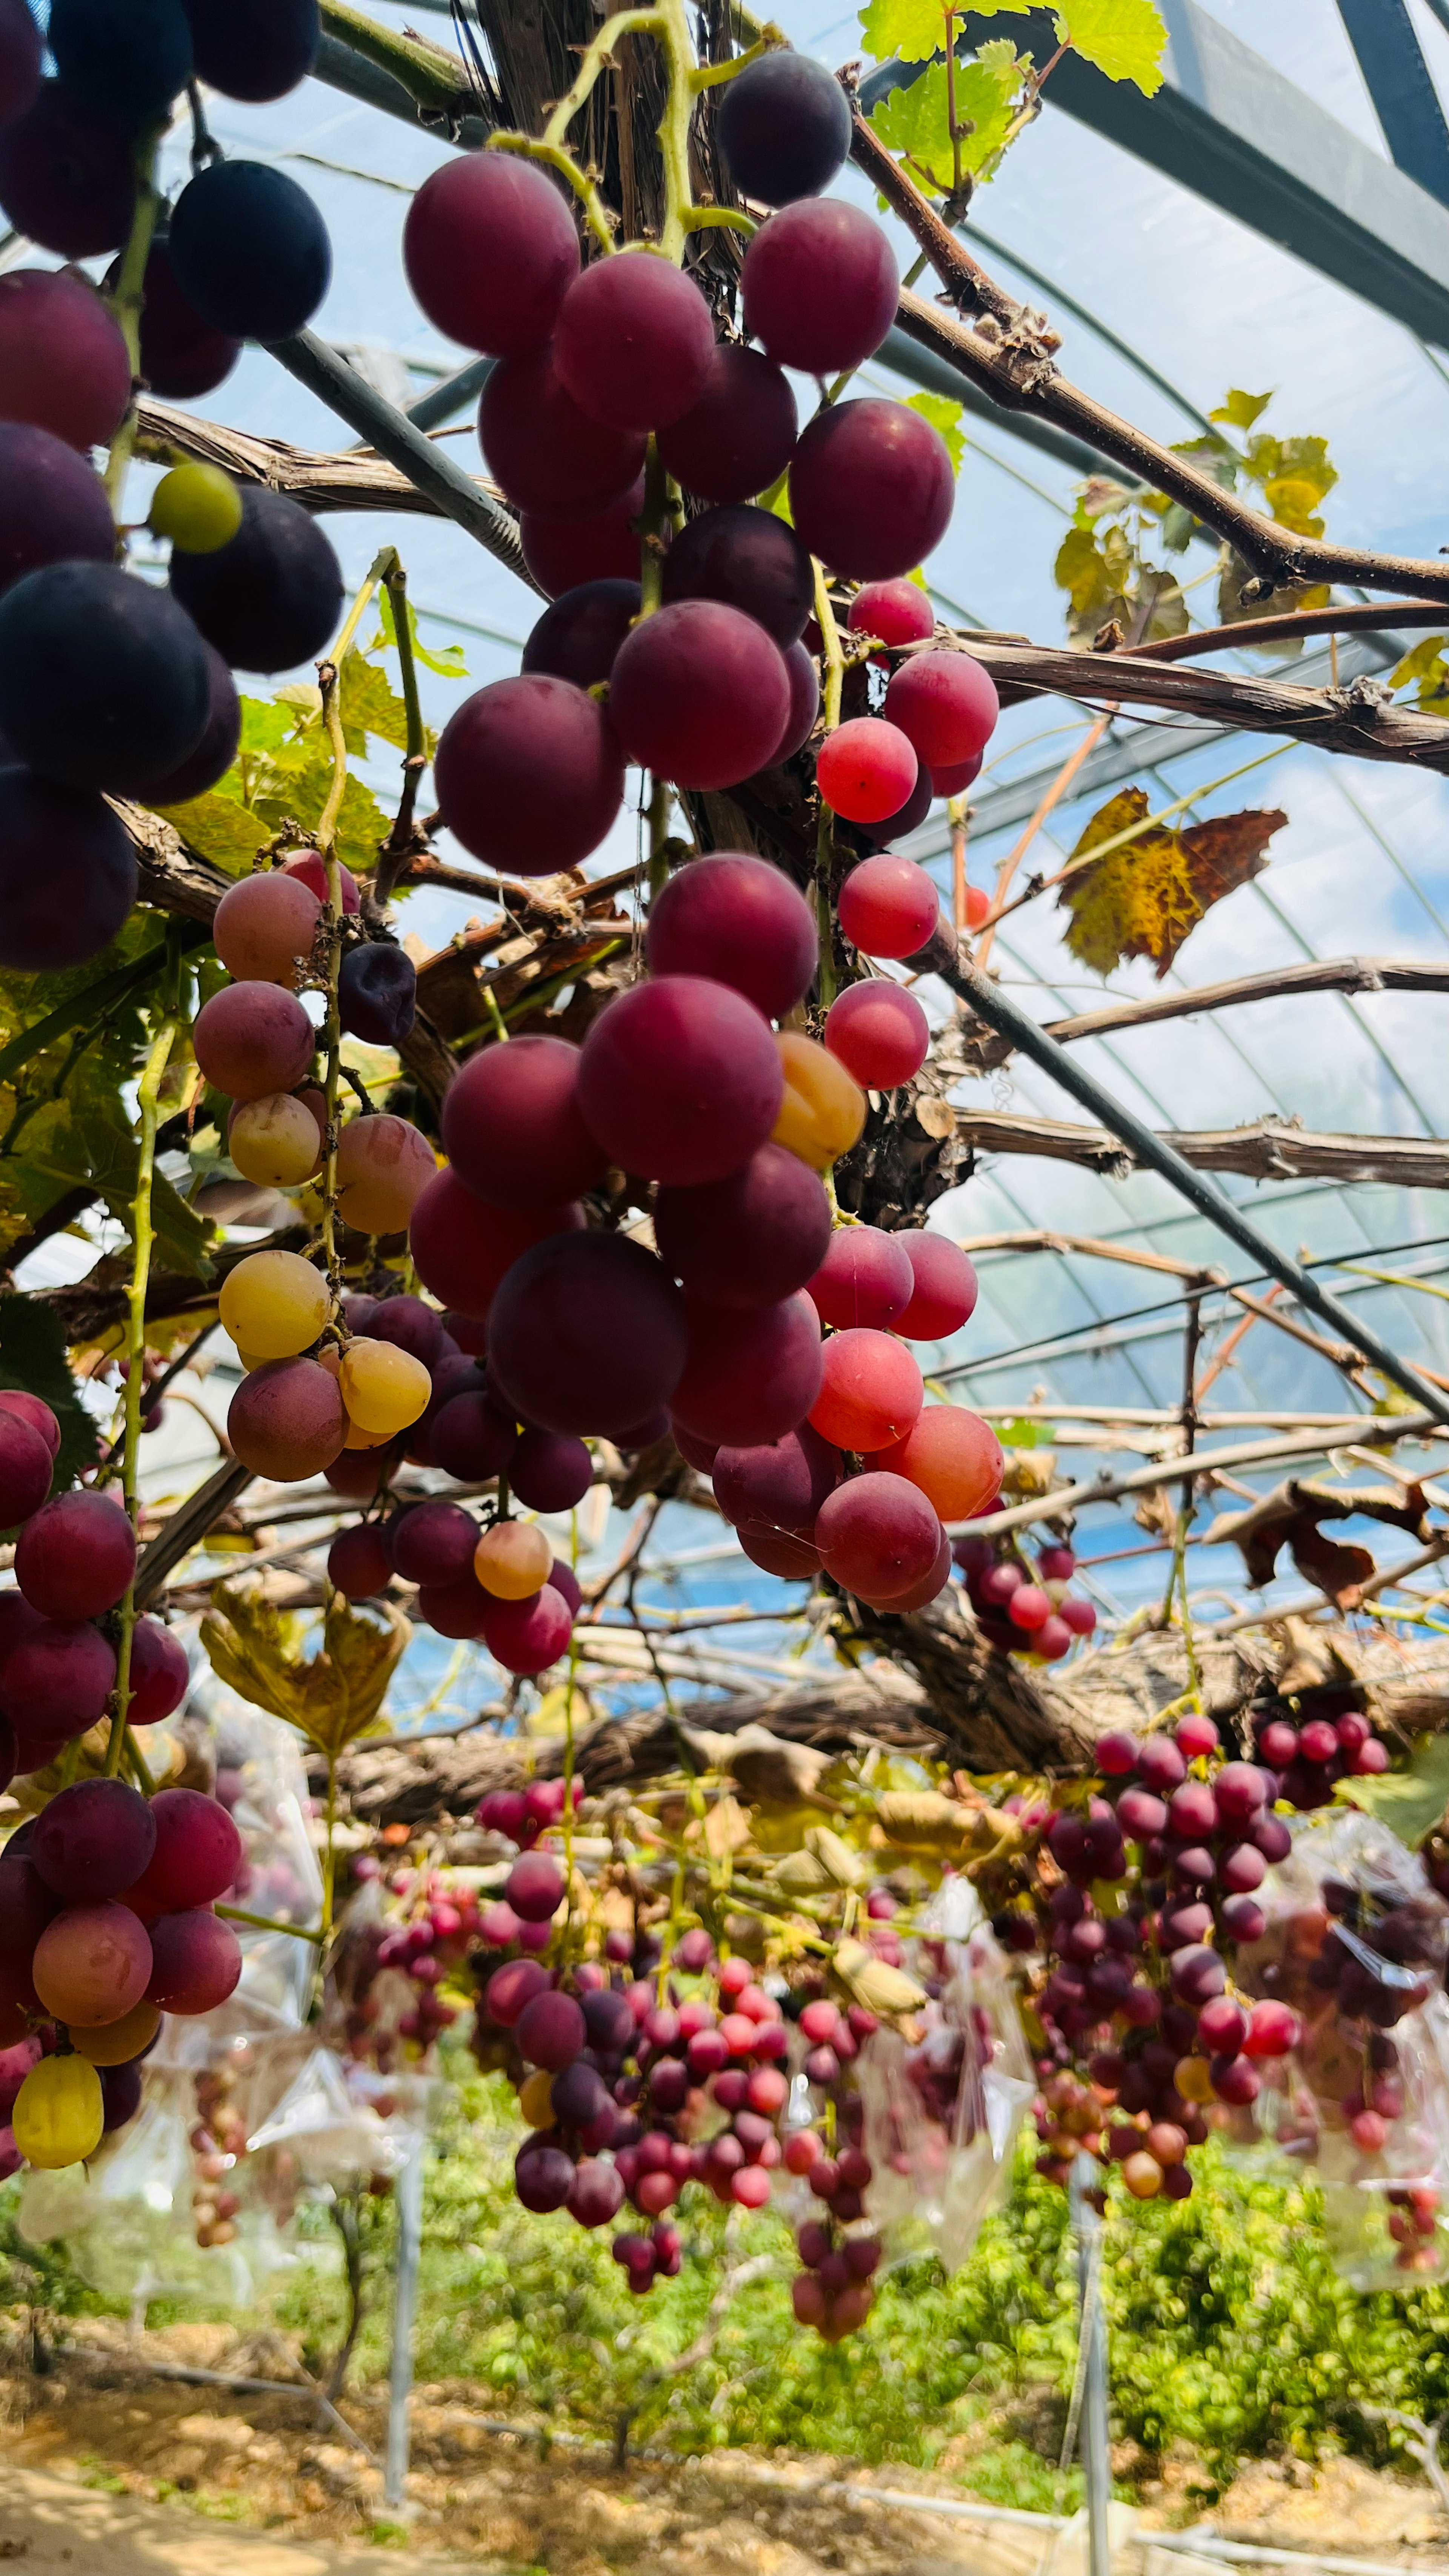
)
(106, 1922)
(218, 2143)
(425, 1942)
(1016, 1614)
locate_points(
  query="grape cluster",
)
(1334, 1742)
(1016, 1614)
(218, 2142)
(106, 1922)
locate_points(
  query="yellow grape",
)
(823, 1111)
(383, 1388)
(274, 1304)
(534, 2100)
(198, 507)
(115, 2043)
(383, 1167)
(59, 2113)
(512, 1560)
(275, 1141)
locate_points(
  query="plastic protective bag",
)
(942, 2112)
(1355, 1941)
(262, 1781)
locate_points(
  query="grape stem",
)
(398, 848)
(148, 1097)
(833, 673)
(264, 1923)
(127, 303)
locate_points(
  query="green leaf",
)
(447, 661)
(86, 1138)
(32, 1357)
(218, 827)
(1239, 410)
(944, 416)
(1410, 1802)
(912, 30)
(370, 705)
(298, 782)
(1025, 1435)
(1126, 39)
(916, 121)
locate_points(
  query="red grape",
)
(819, 286)
(634, 341)
(953, 1456)
(513, 1129)
(435, 1543)
(358, 1562)
(52, 505)
(549, 456)
(751, 560)
(198, 1854)
(529, 774)
(213, 754)
(410, 1326)
(56, 1681)
(550, 1471)
(596, 2194)
(870, 1392)
(286, 1420)
(490, 251)
(32, 1410)
(543, 2174)
(1077, 1615)
(895, 827)
(462, 1246)
(954, 782)
(309, 868)
(795, 1560)
(879, 1033)
(871, 488)
(865, 1278)
(74, 1559)
(197, 1962)
(878, 1536)
(551, 2030)
(752, 1374)
(68, 874)
(680, 1081)
(20, 57)
(888, 907)
(26, 1904)
(930, 1587)
(866, 770)
(251, 1039)
(945, 1291)
(1028, 1607)
(93, 1840)
(737, 436)
(454, 1609)
(92, 1963)
(946, 705)
(587, 1332)
(748, 1240)
(741, 922)
(776, 1488)
(696, 1453)
(563, 553)
(804, 703)
(699, 694)
(527, 1636)
(578, 637)
(473, 1438)
(26, 1464)
(181, 356)
(897, 611)
(67, 177)
(783, 125)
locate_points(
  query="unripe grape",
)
(116, 2043)
(274, 1304)
(512, 1560)
(92, 1963)
(275, 1141)
(263, 925)
(383, 1388)
(197, 506)
(823, 1110)
(59, 2113)
(1143, 2175)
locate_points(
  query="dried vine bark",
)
(1272, 1149)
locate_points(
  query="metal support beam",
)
(1232, 129)
(1397, 79)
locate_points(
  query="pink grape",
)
(881, 1035)
(32, 1410)
(739, 921)
(871, 488)
(510, 1988)
(550, 456)
(1192, 1812)
(74, 1559)
(1195, 1736)
(587, 1332)
(529, 774)
(945, 1290)
(777, 1487)
(748, 1240)
(55, 1682)
(737, 436)
(160, 1673)
(93, 1840)
(819, 286)
(463, 1246)
(197, 1856)
(562, 553)
(63, 361)
(490, 251)
(751, 560)
(251, 1039)
(92, 1963)
(897, 611)
(866, 770)
(1078, 1615)
(870, 1390)
(535, 1889)
(197, 1962)
(309, 868)
(596, 2194)
(26, 1463)
(877, 1535)
(680, 1080)
(577, 638)
(945, 705)
(633, 341)
(550, 1471)
(699, 694)
(527, 1636)
(865, 1278)
(1241, 1791)
(513, 1129)
(888, 907)
(1161, 1765)
(1222, 2026)
(1028, 1607)
(1273, 2030)
(751, 1374)
(551, 2031)
(1242, 1869)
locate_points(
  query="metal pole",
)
(404, 2310)
(1092, 2327)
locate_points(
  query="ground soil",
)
(111, 2471)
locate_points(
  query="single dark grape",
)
(577, 638)
(748, 558)
(633, 341)
(56, 1681)
(562, 554)
(550, 1471)
(699, 694)
(735, 918)
(25, 1470)
(67, 178)
(126, 64)
(159, 1674)
(819, 286)
(52, 506)
(217, 749)
(783, 125)
(94, 1840)
(490, 251)
(377, 993)
(777, 1489)
(587, 1333)
(120, 2094)
(738, 435)
(27, 1904)
(358, 1562)
(74, 1559)
(34, 1410)
(103, 679)
(748, 1240)
(272, 596)
(20, 58)
(549, 455)
(196, 1962)
(473, 1438)
(254, 49)
(871, 488)
(181, 356)
(513, 1129)
(529, 774)
(250, 250)
(68, 874)
(908, 818)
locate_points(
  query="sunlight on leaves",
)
(1410, 1802)
(1126, 39)
(916, 121)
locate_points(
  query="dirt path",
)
(54, 2526)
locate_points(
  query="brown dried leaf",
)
(1144, 896)
(1291, 1516)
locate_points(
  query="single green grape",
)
(198, 507)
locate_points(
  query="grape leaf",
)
(1239, 410)
(1143, 898)
(447, 660)
(219, 827)
(331, 1697)
(370, 705)
(33, 1356)
(88, 1140)
(916, 121)
(297, 784)
(1426, 665)
(1126, 39)
(1410, 1802)
(944, 416)
(1107, 581)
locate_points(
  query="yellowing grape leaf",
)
(1126, 39)
(1143, 897)
(370, 705)
(1238, 410)
(331, 1697)
(1428, 669)
(916, 121)
(1107, 581)
(944, 416)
